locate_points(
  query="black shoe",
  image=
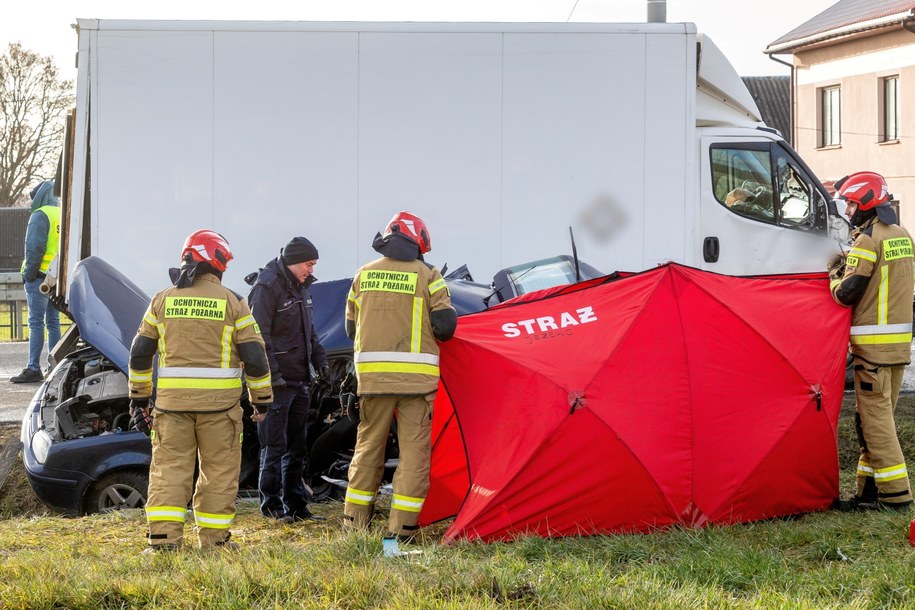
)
(307, 515)
(28, 376)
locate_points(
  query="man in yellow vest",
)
(397, 308)
(876, 280)
(207, 340)
(42, 239)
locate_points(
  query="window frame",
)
(829, 116)
(889, 109)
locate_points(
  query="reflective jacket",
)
(390, 302)
(283, 310)
(881, 325)
(198, 330)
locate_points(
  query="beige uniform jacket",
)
(881, 325)
(390, 302)
(198, 329)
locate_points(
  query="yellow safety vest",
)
(52, 245)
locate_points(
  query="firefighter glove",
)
(260, 411)
(139, 415)
(835, 264)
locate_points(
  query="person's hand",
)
(260, 412)
(835, 264)
(139, 415)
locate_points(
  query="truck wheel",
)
(118, 491)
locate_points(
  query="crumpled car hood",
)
(107, 308)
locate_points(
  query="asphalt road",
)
(15, 397)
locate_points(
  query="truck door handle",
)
(711, 249)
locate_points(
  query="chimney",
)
(657, 11)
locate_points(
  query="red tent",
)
(673, 396)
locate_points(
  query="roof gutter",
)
(861, 26)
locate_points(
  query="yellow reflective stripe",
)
(197, 383)
(416, 332)
(213, 521)
(882, 292)
(358, 496)
(880, 339)
(150, 320)
(259, 382)
(139, 376)
(406, 503)
(437, 285)
(226, 346)
(865, 254)
(397, 367)
(835, 283)
(244, 322)
(166, 513)
(161, 328)
(891, 473)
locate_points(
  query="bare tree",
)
(33, 106)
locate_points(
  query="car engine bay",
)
(86, 396)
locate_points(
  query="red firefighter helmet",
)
(866, 189)
(205, 246)
(412, 227)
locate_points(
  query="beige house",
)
(853, 93)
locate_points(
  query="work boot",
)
(153, 549)
(28, 376)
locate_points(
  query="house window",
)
(830, 116)
(889, 122)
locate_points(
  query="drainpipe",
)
(657, 11)
(791, 89)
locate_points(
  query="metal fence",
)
(13, 222)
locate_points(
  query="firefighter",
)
(203, 333)
(397, 308)
(875, 279)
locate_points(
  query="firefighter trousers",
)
(178, 441)
(881, 465)
(411, 479)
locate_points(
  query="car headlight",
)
(41, 444)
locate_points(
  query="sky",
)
(740, 28)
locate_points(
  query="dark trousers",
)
(282, 437)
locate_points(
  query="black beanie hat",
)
(299, 250)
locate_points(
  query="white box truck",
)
(640, 136)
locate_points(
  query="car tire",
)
(118, 491)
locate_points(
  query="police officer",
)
(876, 281)
(397, 308)
(206, 338)
(281, 304)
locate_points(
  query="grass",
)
(825, 560)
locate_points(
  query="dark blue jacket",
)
(283, 310)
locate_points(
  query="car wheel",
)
(118, 491)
